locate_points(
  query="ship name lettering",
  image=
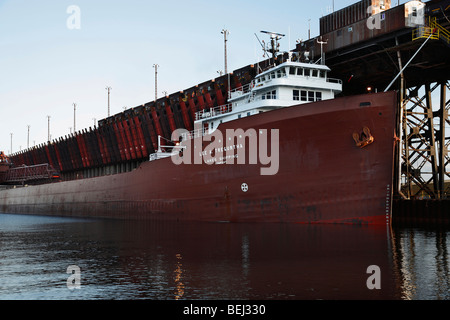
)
(263, 148)
(221, 149)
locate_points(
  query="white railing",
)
(332, 80)
(194, 134)
(227, 108)
(212, 112)
(244, 89)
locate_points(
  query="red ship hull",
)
(323, 176)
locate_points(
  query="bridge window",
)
(273, 94)
(307, 72)
(299, 71)
(281, 73)
(303, 95)
(292, 71)
(269, 95)
(315, 73)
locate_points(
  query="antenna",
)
(274, 45)
(322, 56)
(274, 34)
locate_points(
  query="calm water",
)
(168, 261)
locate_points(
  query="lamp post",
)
(48, 128)
(109, 90)
(156, 80)
(225, 33)
(28, 136)
(74, 116)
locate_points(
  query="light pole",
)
(28, 136)
(74, 116)
(109, 89)
(225, 33)
(48, 127)
(156, 80)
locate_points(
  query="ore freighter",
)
(282, 148)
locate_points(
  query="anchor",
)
(364, 138)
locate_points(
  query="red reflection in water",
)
(269, 261)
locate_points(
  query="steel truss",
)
(425, 142)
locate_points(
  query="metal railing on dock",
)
(28, 173)
(434, 30)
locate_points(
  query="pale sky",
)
(45, 66)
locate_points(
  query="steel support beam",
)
(424, 154)
(444, 139)
(432, 141)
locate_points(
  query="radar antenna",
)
(274, 45)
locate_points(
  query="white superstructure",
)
(288, 84)
(284, 85)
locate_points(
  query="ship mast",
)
(274, 44)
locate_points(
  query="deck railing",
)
(208, 113)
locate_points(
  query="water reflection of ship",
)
(178, 275)
(266, 261)
(299, 262)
